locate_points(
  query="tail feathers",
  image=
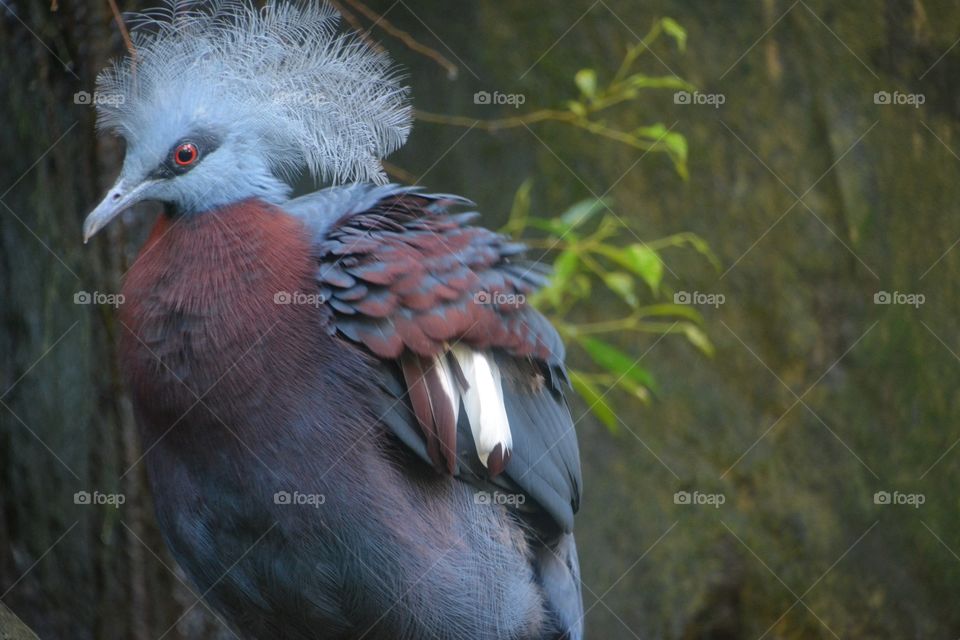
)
(558, 570)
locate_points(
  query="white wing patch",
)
(482, 398)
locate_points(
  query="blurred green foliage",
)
(587, 242)
(592, 248)
(590, 109)
(627, 85)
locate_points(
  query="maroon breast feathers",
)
(220, 306)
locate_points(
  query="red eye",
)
(185, 154)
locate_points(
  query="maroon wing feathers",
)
(408, 275)
(408, 279)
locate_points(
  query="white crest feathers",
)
(311, 97)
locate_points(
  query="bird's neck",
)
(219, 309)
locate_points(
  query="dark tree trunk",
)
(69, 570)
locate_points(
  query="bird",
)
(354, 421)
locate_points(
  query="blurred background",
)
(752, 212)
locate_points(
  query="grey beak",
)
(120, 198)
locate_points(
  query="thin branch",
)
(499, 123)
(543, 115)
(399, 173)
(405, 38)
(634, 51)
(125, 34)
(354, 22)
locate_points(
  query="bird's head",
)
(225, 101)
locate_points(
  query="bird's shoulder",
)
(472, 372)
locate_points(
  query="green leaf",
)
(586, 80)
(617, 362)
(520, 210)
(700, 246)
(674, 143)
(580, 286)
(564, 268)
(643, 81)
(699, 339)
(673, 29)
(646, 263)
(622, 284)
(595, 401)
(552, 226)
(577, 108)
(640, 392)
(672, 310)
(581, 212)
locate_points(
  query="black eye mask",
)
(205, 144)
